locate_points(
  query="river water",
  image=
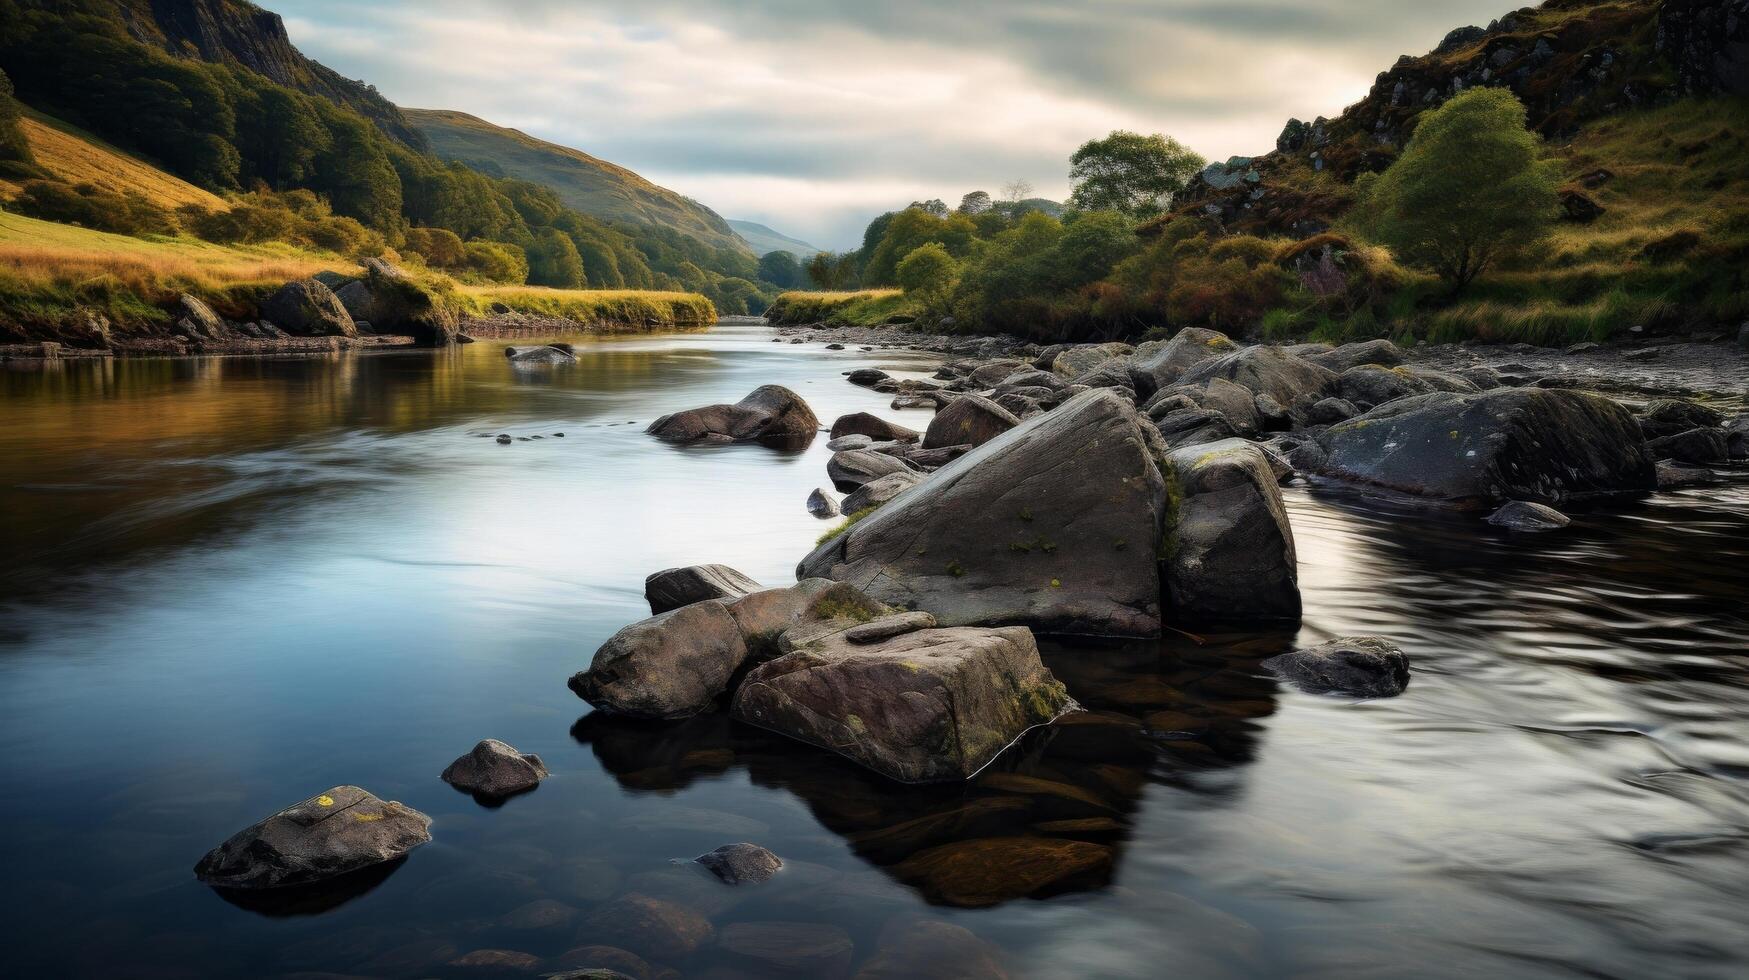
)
(231, 584)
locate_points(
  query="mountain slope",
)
(765, 239)
(77, 157)
(591, 185)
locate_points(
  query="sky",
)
(813, 116)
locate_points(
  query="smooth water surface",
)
(231, 584)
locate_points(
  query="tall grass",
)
(623, 307)
(850, 308)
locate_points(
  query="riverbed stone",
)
(968, 420)
(855, 468)
(821, 504)
(1052, 524)
(1357, 666)
(1480, 449)
(799, 949)
(1380, 352)
(1194, 426)
(1671, 416)
(1157, 367)
(1075, 361)
(495, 769)
(539, 355)
(1522, 515)
(874, 427)
(877, 492)
(740, 864)
(842, 443)
(888, 627)
(930, 949)
(1692, 446)
(987, 871)
(307, 308)
(653, 928)
(866, 377)
(340, 830)
(672, 588)
(673, 665)
(1229, 551)
(927, 706)
(1266, 370)
(771, 414)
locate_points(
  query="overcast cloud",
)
(814, 115)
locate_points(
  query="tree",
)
(1468, 189)
(928, 274)
(780, 269)
(975, 203)
(1017, 190)
(13, 144)
(934, 206)
(1131, 173)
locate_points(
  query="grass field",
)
(854, 308)
(80, 158)
(631, 307)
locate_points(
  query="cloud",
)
(814, 115)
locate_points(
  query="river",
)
(229, 584)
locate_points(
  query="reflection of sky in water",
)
(245, 581)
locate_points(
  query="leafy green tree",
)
(927, 273)
(13, 145)
(976, 203)
(498, 262)
(553, 260)
(1131, 173)
(909, 229)
(780, 269)
(1468, 189)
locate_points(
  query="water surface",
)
(229, 584)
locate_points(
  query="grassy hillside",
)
(848, 308)
(590, 185)
(78, 157)
(765, 239)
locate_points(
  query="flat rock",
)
(1358, 666)
(1522, 515)
(1229, 547)
(888, 627)
(839, 444)
(493, 768)
(672, 588)
(854, 468)
(880, 491)
(772, 414)
(341, 830)
(740, 864)
(674, 665)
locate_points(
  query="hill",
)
(765, 240)
(588, 184)
(77, 157)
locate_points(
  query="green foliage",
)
(781, 269)
(1131, 173)
(1468, 189)
(910, 229)
(497, 261)
(927, 274)
(835, 270)
(553, 261)
(439, 247)
(859, 308)
(91, 207)
(296, 217)
(13, 145)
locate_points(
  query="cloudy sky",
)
(814, 115)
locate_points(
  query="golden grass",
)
(634, 307)
(860, 307)
(79, 158)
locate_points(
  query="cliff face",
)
(241, 33)
(1569, 61)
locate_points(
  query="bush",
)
(927, 273)
(497, 262)
(298, 217)
(92, 207)
(440, 247)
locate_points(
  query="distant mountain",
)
(764, 239)
(589, 184)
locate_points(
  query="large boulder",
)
(674, 665)
(879, 491)
(1194, 426)
(925, 706)
(341, 830)
(1076, 361)
(1159, 366)
(201, 318)
(1370, 385)
(1267, 371)
(874, 427)
(308, 309)
(1673, 416)
(1340, 359)
(771, 414)
(672, 588)
(1480, 449)
(399, 304)
(1229, 552)
(970, 420)
(494, 769)
(855, 468)
(1052, 524)
(774, 621)
(1357, 666)
(539, 355)
(1694, 446)
(740, 864)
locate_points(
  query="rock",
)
(771, 414)
(937, 704)
(594, 973)
(205, 322)
(1693, 446)
(968, 420)
(930, 949)
(843, 443)
(1737, 437)
(539, 355)
(776, 621)
(494, 769)
(497, 961)
(888, 627)
(308, 309)
(1579, 207)
(740, 864)
(855, 468)
(399, 304)
(994, 373)
(1484, 378)
(1358, 666)
(596, 961)
(342, 830)
(1300, 451)
(988, 871)
(538, 915)
(934, 459)
(1076, 361)
(866, 377)
(504, 439)
(1707, 43)
(1033, 379)
(802, 949)
(874, 427)
(353, 294)
(1369, 385)
(672, 588)
(1679, 476)
(1673, 416)
(1052, 524)
(1229, 546)
(879, 491)
(1267, 371)
(821, 504)
(1482, 449)
(1193, 426)
(1271, 414)
(1522, 515)
(673, 665)
(1379, 352)
(650, 927)
(1114, 372)
(1329, 411)
(1163, 366)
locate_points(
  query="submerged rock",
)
(800, 949)
(1052, 524)
(672, 588)
(1522, 515)
(342, 830)
(493, 768)
(1358, 666)
(930, 949)
(771, 414)
(741, 864)
(539, 355)
(650, 927)
(922, 707)
(987, 871)
(673, 665)
(1229, 551)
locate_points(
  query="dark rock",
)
(988, 871)
(1358, 666)
(673, 665)
(1522, 515)
(1329, 411)
(1076, 361)
(994, 373)
(1673, 416)
(650, 927)
(842, 443)
(1194, 426)
(1051, 524)
(932, 459)
(1680, 476)
(308, 309)
(504, 439)
(968, 420)
(599, 961)
(1708, 43)
(205, 322)
(1578, 207)
(930, 949)
(1369, 385)
(926, 706)
(888, 627)
(1267, 371)
(538, 915)
(771, 414)
(856, 468)
(866, 377)
(821, 504)
(878, 491)
(1484, 378)
(494, 769)
(1156, 367)
(801, 949)
(399, 304)
(672, 588)
(539, 355)
(872, 426)
(1114, 372)
(1271, 414)
(1229, 546)
(777, 621)
(1300, 450)
(1378, 352)
(741, 864)
(1693, 446)
(1482, 449)
(496, 961)
(342, 830)
(1737, 437)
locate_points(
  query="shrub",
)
(927, 274)
(440, 247)
(92, 207)
(497, 261)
